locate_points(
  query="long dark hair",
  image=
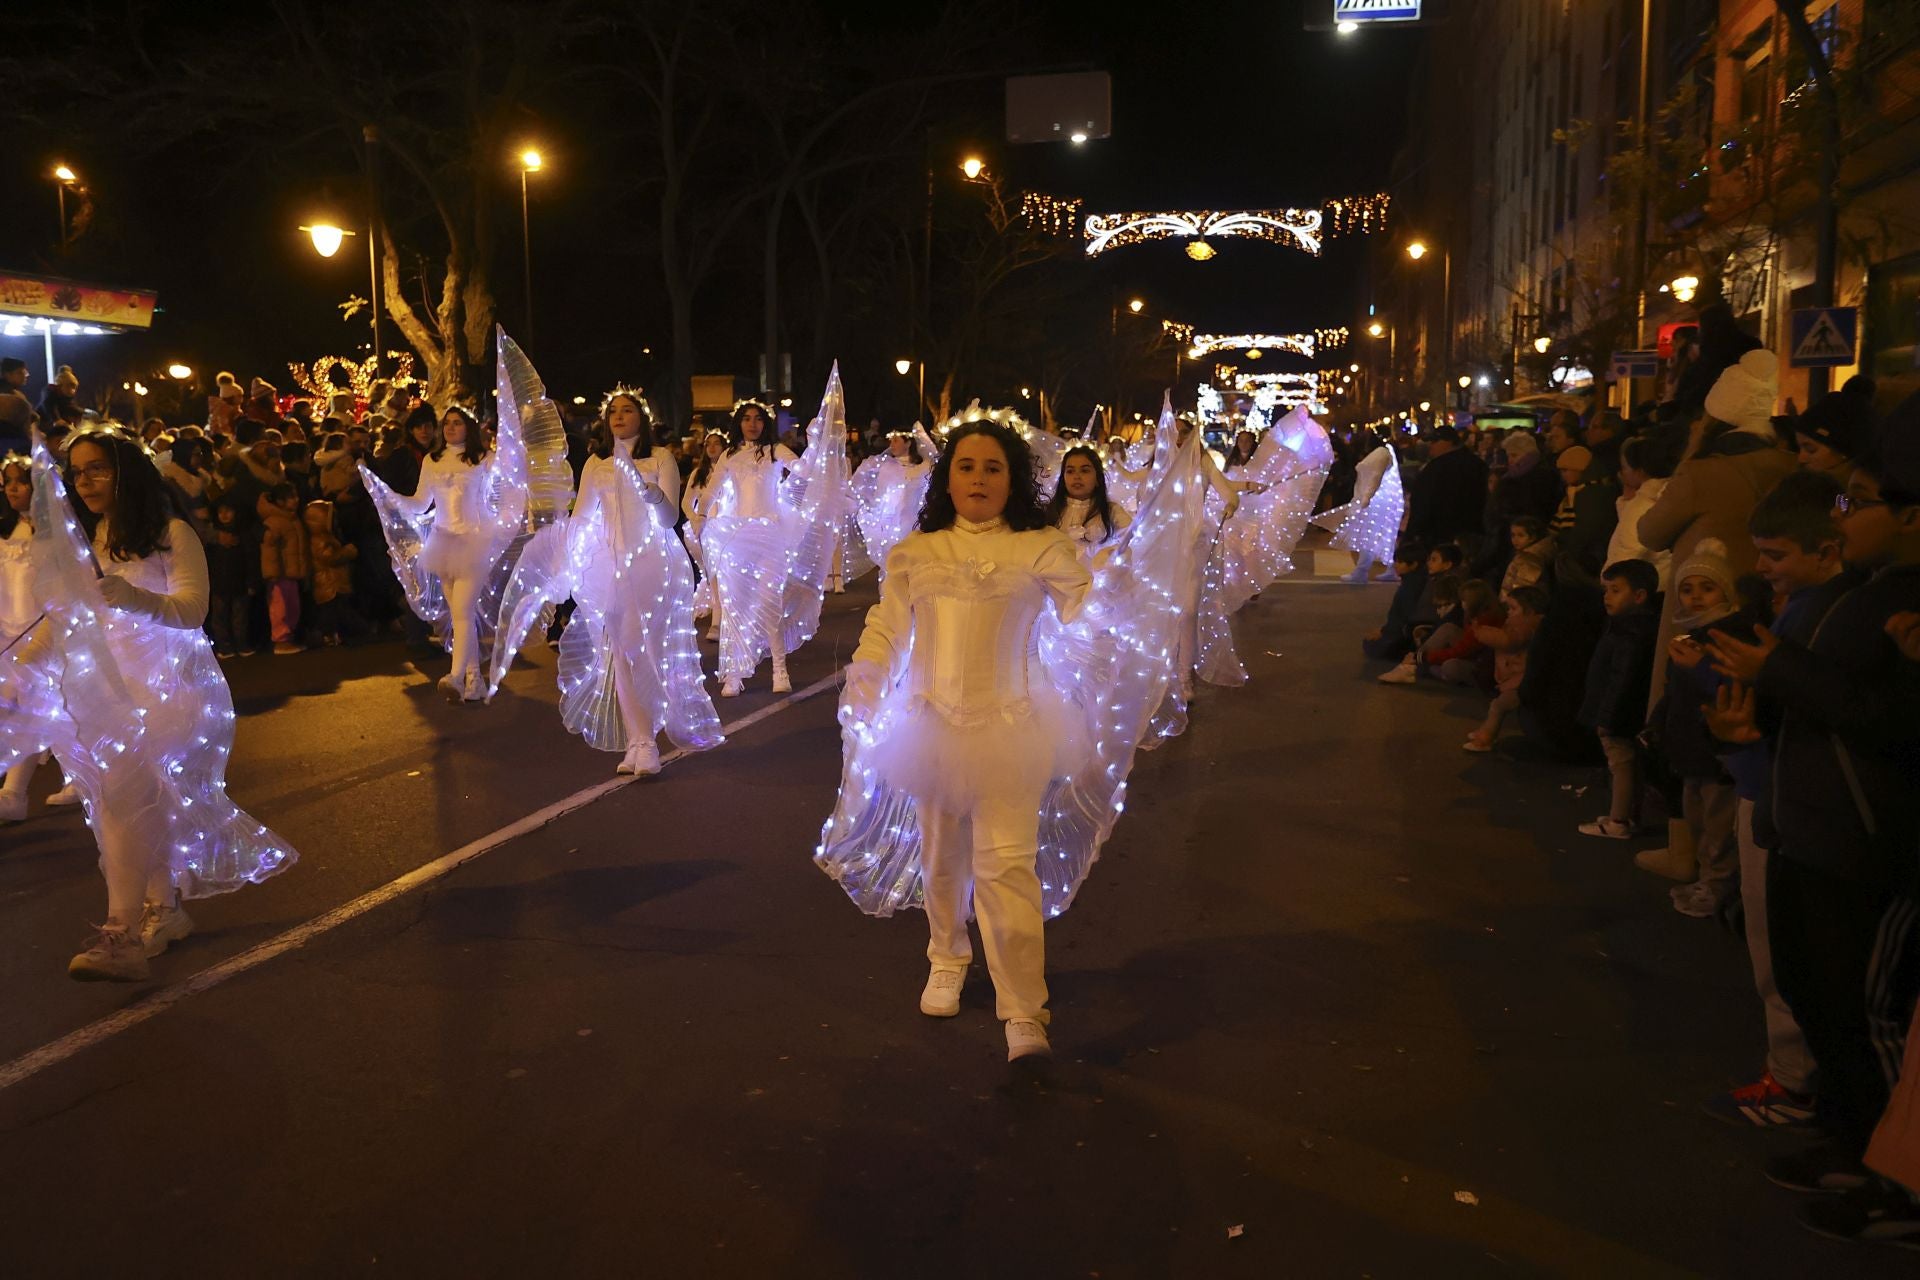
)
(9, 518)
(141, 507)
(1102, 506)
(1023, 512)
(475, 448)
(769, 433)
(600, 435)
(1236, 458)
(703, 465)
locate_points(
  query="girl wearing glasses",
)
(120, 681)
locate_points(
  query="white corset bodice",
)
(973, 626)
(458, 492)
(753, 476)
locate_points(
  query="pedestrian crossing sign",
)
(1823, 337)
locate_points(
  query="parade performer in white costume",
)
(992, 713)
(1369, 526)
(769, 540)
(120, 681)
(1080, 507)
(695, 497)
(454, 543)
(889, 488)
(629, 661)
(19, 606)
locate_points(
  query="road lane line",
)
(55, 1052)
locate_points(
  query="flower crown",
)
(766, 410)
(635, 394)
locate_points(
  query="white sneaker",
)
(13, 806)
(1405, 673)
(642, 759)
(474, 689)
(1607, 829)
(65, 798)
(114, 955)
(730, 687)
(940, 998)
(161, 925)
(451, 688)
(1025, 1039)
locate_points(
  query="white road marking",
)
(52, 1054)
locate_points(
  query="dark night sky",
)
(1228, 106)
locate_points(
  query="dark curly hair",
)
(1024, 511)
(1102, 505)
(474, 450)
(600, 435)
(769, 433)
(141, 507)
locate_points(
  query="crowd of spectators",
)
(1721, 609)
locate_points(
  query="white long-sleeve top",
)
(958, 608)
(168, 587)
(657, 470)
(747, 481)
(1625, 543)
(1080, 522)
(18, 608)
(454, 488)
(1370, 471)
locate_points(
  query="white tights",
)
(463, 598)
(990, 854)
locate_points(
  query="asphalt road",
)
(1339, 1000)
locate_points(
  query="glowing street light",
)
(179, 372)
(1417, 250)
(902, 366)
(1684, 287)
(530, 161)
(1426, 405)
(1376, 329)
(1026, 393)
(65, 175)
(1353, 368)
(973, 167)
(1465, 382)
(326, 238)
(1542, 343)
(1136, 306)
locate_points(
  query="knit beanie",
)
(65, 380)
(1708, 560)
(1842, 421)
(1744, 394)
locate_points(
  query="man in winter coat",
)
(1449, 495)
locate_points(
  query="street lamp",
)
(1684, 287)
(1542, 344)
(63, 177)
(1136, 306)
(1417, 250)
(901, 366)
(530, 162)
(973, 167)
(1426, 405)
(1465, 381)
(179, 372)
(326, 238)
(1376, 329)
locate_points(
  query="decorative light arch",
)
(1297, 227)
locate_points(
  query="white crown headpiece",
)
(632, 393)
(974, 413)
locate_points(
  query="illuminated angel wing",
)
(816, 502)
(542, 576)
(1257, 544)
(1370, 526)
(407, 522)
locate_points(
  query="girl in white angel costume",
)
(945, 682)
(1080, 507)
(119, 679)
(629, 661)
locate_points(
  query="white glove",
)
(866, 684)
(119, 593)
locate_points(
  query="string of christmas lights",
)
(1055, 215)
(1356, 215)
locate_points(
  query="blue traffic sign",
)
(1824, 337)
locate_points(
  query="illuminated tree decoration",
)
(1297, 227)
(319, 379)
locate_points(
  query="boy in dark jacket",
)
(233, 570)
(1394, 638)
(1617, 680)
(1841, 884)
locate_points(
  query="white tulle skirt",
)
(951, 763)
(463, 556)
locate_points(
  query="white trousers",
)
(988, 855)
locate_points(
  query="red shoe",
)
(1765, 1104)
